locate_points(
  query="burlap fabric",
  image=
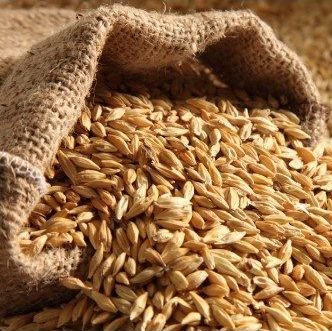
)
(43, 89)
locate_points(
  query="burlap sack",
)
(43, 90)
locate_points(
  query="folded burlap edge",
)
(44, 93)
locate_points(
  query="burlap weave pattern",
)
(43, 90)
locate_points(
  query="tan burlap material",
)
(48, 63)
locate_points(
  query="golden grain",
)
(199, 214)
(138, 306)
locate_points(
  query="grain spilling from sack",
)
(202, 214)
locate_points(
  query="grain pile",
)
(203, 213)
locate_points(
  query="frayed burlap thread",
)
(43, 91)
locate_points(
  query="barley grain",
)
(200, 214)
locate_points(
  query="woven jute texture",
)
(48, 65)
(304, 25)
